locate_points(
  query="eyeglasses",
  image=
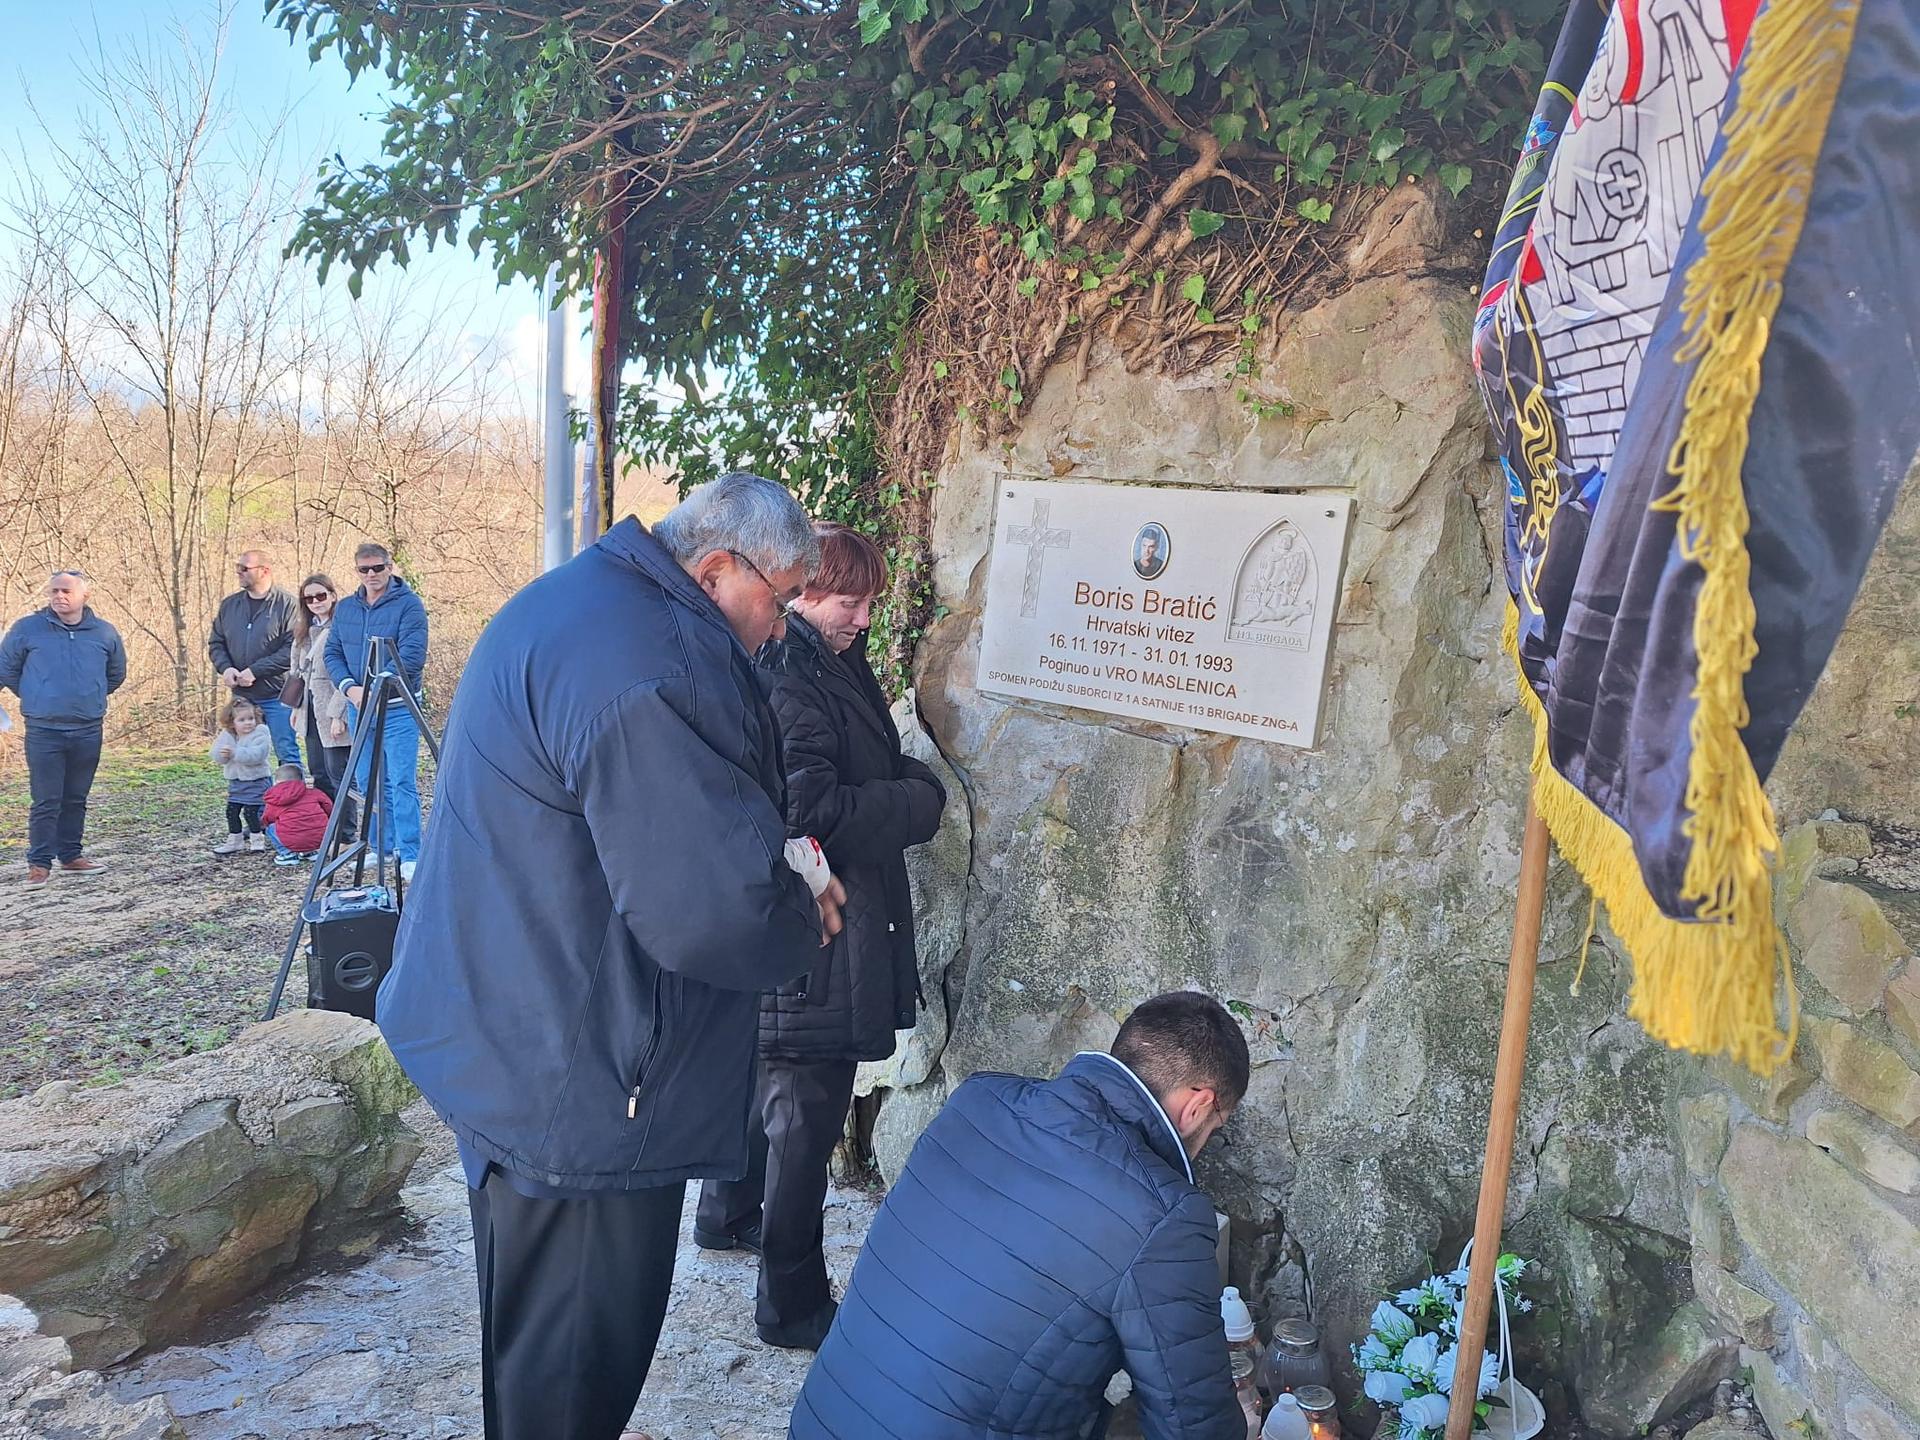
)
(316, 599)
(785, 607)
(371, 569)
(245, 569)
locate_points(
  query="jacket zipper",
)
(653, 1044)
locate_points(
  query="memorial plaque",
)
(1209, 609)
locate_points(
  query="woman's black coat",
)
(850, 788)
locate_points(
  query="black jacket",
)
(1043, 1235)
(850, 788)
(254, 635)
(62, 673)
(603, 894)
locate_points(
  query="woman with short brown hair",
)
(850, 787)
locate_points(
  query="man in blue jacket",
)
(384, 604)
(607, 887)
(63, 662)
(1044, 1235)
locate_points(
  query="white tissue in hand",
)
(809, 862)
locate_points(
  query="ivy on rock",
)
(854, 226)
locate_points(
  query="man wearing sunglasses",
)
(384, 605)
(251, 645)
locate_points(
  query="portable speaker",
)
(350, 948)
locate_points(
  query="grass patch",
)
(168, 953)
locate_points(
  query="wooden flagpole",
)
(1529, 906)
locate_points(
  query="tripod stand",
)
(385, 681)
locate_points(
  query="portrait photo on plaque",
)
(1152, 548)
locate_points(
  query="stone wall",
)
(1353, 903)
(131, 1211)
(1804, 1203)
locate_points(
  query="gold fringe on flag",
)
(1709, 984)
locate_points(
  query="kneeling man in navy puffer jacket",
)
(1044, 1235)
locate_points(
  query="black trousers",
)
(802, 1112)
(328, 763)
(236, 813)
(60, 769)
(572, 1293)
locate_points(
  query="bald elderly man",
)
(63, 661)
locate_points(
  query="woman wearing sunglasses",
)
(320, 709)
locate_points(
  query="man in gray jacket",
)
(62, 662)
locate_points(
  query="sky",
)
(47, 54)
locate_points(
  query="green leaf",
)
(1228, 129)
(1081, 207)
(939, 369)
(1317, 210)
(1204, 222)
(1218, 49)
(1456, 177)
(1437, 88)
(1177, 81)
(1010, 378)
(1028, 286)
(1194, 288)
(874, 22)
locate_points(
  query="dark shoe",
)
(80, 865)
(747, 1239)
(38, 875)
(809, 1334)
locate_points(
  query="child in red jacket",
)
(296, 816)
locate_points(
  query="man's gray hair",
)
(743, 512)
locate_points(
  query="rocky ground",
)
(173, 951)
(169, 952)
(389, 1348)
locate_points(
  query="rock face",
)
(128, 1213)
(42, 1397)
(1353, 904)
(1803, 1221)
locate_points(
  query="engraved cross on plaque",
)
(1038, 539)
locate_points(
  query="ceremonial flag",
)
(1699, 344)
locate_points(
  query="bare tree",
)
(172, 390)
(164, 238)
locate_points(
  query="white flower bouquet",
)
(1408, 1357)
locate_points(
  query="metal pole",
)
(557, 450)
